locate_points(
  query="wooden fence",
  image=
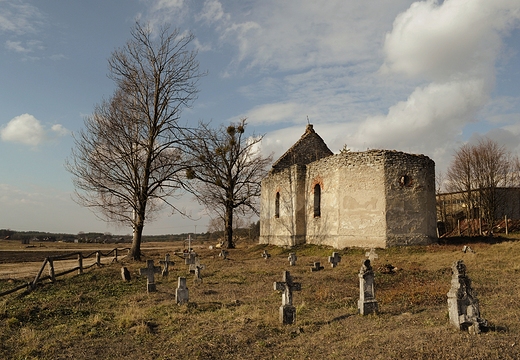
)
(70, 256)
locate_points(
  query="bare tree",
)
(226, 171)
(477, 171)
(128, 160)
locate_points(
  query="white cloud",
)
(16, 46)
(24, 129)
(60, 130)
(212, 12)
(19, 18)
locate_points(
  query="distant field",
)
(233, 313)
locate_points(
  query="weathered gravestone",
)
(367, 303)
(182, 295)
(463, 304)
(223, 254)
(371, 255)
(125, 274)
(166, 263)
(266, 255)
(335, 259)
(292, 259)
(316, 266)
(149, 271)
(287, 310)
(191, 259)
(198, 275)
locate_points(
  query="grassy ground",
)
(233, 313)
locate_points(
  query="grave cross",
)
(463, 305)
(334, 259)
(292, 259)
(287, 310)
(198, 275)
(166, 264)
(191, 259)
(149, 271)
(371, 255)
(182, 294)
(316, 266)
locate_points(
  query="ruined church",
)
(375, 198)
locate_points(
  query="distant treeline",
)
(251, 233)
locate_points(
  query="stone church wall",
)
(377, 198)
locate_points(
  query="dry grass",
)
(233, 313)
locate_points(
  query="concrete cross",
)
(266, 255)
(316, 267)
(371, 255)
(223, 254)
(334, 259)
(287, 286)
(182, 294)
(198, 268)
(166, 263)
(292, 259)
(149, 271)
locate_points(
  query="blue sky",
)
(416, 76)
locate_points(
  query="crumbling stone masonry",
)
(372, 199)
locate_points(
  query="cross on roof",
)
(287, 286)
(334, 259)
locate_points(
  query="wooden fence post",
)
(80, 263)
(51, 270)
(98, 258)
(507, 228)
(37, 278)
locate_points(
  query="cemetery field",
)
(234, 312)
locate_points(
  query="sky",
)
(423, 77)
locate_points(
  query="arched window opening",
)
(317, 200)
(277, 206)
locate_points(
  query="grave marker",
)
(463, 305)
(367, 303)
(149, 271)
(287, 310)
(335, 259)
(198, 275)
(182, 294)
(125, 274)
(292, 259)
(166, 264)
(316, 266)
(371, 255)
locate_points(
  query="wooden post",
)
(80, 264)
(37, 278)
(507, 228)
(98, 258)
(480, 226)
(51, 270)
(458, 226)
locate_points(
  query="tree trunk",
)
(228, 231)
(135, 250)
